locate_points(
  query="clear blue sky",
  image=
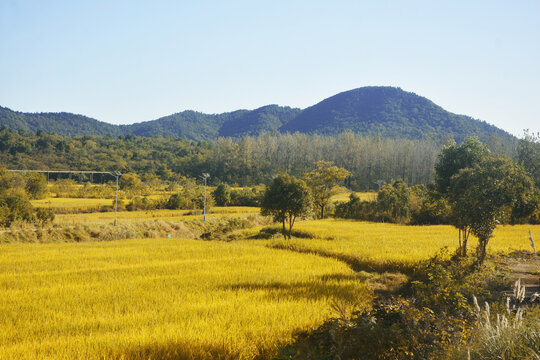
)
(130, 61)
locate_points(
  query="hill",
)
(199, 126)
(62, 123)
(388, 112)
(379, 111)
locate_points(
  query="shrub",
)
(15, 206)
(247, 197)
(222, 195)
(36, 186)
(44, 216)
(143, 203)
(356, 209)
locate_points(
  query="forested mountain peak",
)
(388, 112)
(373, 110)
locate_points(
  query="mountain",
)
(389, 112)
(375, 110)
(66, 124)
(198, 126)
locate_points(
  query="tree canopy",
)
(479, 187)
(286, 199)
(323, 181)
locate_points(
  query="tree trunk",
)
(481, 250)
(283, 231)
(322, 212)
(460, 247)
(291, 222)
(465, 238)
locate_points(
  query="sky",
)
(130, 61)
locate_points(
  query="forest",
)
(249, 160)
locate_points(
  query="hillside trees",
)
(247, 161)
(286, 199)
(323, 181)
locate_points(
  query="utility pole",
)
(204, 176)
(117, 174)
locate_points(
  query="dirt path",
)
(524, 266)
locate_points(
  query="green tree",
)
(451, 161)
(130, 181)
(222, 195)
(528, 155)
(393, 201)
(323, 181)
(36, 186)
(480, 194)
(15, 206)
(286, 199)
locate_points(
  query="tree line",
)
(247, 161)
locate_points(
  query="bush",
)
(393, 202)
(356, 209)
(44, 216)
(247, 197)
(15, 206)
(394, 329)
(36, 186)
(64, 187)
(222, 195)
(143, 203)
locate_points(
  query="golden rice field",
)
(81, 203)
(194, 299)
(165, 298)
(144, 215)
(379, 243)
(364, 196)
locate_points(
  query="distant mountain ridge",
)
(374, 110)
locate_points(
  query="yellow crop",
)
(383, 243)
(71, 203)
(143, 215)
(364, 196)
(165, 298)
(183, 299)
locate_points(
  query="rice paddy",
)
(195, 299)
(364, 196)
(144, 215)
(72, 203)
(164, 298)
